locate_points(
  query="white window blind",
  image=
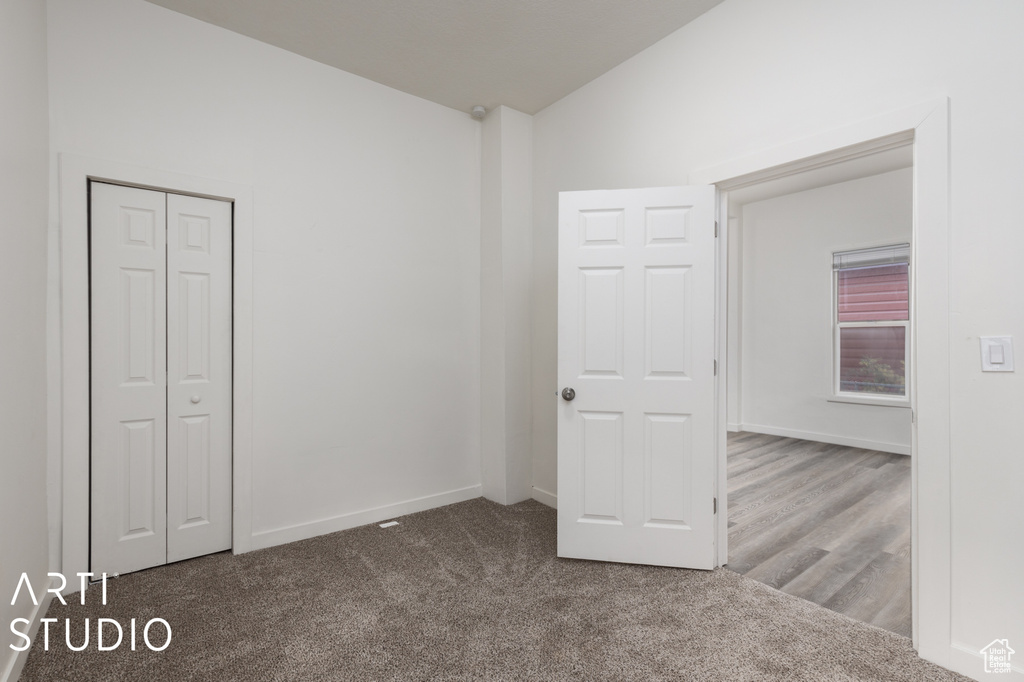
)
(863, 258)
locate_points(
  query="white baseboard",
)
(304, 531)
(894, 448)
(16, 659)
(544, 497)
(968, 661)
(733, 427)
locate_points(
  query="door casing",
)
(926, 126)
(69, 433)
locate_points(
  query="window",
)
(872, 315)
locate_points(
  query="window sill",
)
(871, 400)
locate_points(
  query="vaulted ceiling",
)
(525, 54)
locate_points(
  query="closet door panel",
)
(198, 376)
(128, 378)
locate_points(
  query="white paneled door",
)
(128, 342)
(160, 327)
(636, 367)
(198, 376)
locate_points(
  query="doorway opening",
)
(926, 125)
(818, 401)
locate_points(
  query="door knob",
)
(195, 399)
(568, 394)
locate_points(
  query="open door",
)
(636, 371)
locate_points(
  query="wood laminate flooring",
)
(827, 523)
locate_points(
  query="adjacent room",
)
(819, 418)
(291, 343)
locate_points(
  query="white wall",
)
(23, 190)
(506, 253)
(749, 76)
(366, 210)
(786, 341)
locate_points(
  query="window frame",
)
(865, 398)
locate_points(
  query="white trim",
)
(927, 124)
(931, 522)
(734, 427)
(17, 659)
(723, 225)
(75, 172)
(881, 446)
(303, 531)
(869, 399)
(873, 135)
(544, 497)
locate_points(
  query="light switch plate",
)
(996, 353)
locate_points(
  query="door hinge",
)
(716, 368)
(716, 229)
(715, 506)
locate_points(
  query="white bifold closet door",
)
(160, 307)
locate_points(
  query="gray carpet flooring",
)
(472, 591)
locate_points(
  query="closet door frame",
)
(69, 382)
